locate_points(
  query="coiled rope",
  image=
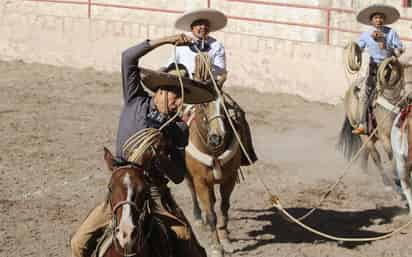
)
(390, 76)
(352, 58)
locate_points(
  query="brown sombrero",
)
(391, 13)
(195, 92)
(217, 19)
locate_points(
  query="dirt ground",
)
(54, 123)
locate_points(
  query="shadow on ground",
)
(337, 223)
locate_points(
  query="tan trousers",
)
(97, 221)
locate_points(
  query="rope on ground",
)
(343, 239)
(275, 200)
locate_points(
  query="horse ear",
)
(108, 157)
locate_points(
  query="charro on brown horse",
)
(138, 227)
(213, 156)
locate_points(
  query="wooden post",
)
(89, 9)
(328, 27)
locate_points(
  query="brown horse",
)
(213, 156)
(138, 229)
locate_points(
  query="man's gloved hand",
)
(379, 37)
(181, 40)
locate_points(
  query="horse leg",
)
(405, 179)
(387, 182)
(197, 212)
(393, 176)
(364, 160)
(226, 189)
(207, 200)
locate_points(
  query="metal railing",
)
(328, 10)
(326, 26)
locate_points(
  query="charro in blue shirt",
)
(391, 39)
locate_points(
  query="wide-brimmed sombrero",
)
(391, 13)
(195, 92)
(217, 19)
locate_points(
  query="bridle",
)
(205, 121)
(133, 206)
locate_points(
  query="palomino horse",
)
(385, 113)
(137, 229)
(213, 156)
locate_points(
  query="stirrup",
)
(359, 131)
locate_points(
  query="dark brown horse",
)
(213, 156)
(139, 229)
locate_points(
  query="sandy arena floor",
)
(55, 122)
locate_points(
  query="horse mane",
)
(144, 226)
(153, 233)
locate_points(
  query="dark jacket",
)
(139, 112)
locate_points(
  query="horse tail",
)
(349, 143)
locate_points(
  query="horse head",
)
(128, 192)
(214, 124)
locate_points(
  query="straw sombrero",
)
(216, 19)
(391, 13)
(195, 92)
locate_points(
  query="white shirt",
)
(186, 56)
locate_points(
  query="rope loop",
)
(353, 58)
(389, 74)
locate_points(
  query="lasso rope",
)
(276, 201)
(352, 62)
(202, 60)
(149, 138)
(391, 83)
(354, 158)
(353, 57)
(381, 75)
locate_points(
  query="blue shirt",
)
(392, 41)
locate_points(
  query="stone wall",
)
(261, 55)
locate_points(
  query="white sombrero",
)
(391, 13)
(195, 92)
(216, 19)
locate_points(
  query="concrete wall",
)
(257, 55)
(348, 20)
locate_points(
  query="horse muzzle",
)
(215, 140)
(125, 235)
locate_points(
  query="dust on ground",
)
(55, 122)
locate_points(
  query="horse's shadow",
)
(337, 223)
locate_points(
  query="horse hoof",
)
(198, 223)
(216, 250)
(227, 246)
